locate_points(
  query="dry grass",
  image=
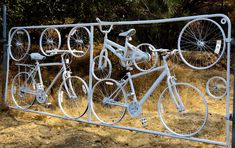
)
(19, 128)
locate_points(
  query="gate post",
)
(233, 114)
(3, 104)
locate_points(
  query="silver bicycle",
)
(72, 94)
(142, 57)
(179, 103)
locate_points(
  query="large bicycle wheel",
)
(73, 97)
(79, 41)
(103, 70)
(19, 44)
(201, 43)
(148, 59)
(189, 121)
(216, 87)
(50, 41)
(23, 90)
(108, 101)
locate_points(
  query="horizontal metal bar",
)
(27, 65)
(166, 20)
(126, 128)
(50, 64)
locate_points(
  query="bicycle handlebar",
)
(101, 29)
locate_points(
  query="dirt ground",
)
(19, 129)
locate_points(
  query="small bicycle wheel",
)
(149, 61)
(73, 97)
(189, 121)
(216, 87)
(79, 41)
(50, 41)
(201, 43)
(108, 101)
(19, 44)
(23, 90)
(103, 70)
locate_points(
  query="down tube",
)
(154, 85)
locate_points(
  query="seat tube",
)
(132, 86)
(39, 73)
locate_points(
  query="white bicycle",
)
(179, 103)
(72, 94)
(143, 57)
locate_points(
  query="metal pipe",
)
(167, 20)
(5, 58)
(90, 74)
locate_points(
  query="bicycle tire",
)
(216, 87)
(19, 49)
(104, 111)
(146, 64)
(201, 43)
(73, 97)
(105, 71)
(23, 81)
(189, 121)
(79, 41)
(50, 40)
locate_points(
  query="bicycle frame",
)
(63, 72)
(170, 82)
(108, 44)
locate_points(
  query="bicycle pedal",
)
(48, 105)
(130, 94)
(144, 121)
(129, 68)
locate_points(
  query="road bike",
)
(143, 56)
(72, 94)
(182, 107)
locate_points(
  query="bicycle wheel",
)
(145, 64)
(50, 41)
(108, 101)
(79, 41)
(73, 97)
(23, 90)
(105, 69)
(201, 43)
(189, 121)
(216, 87)
(19, 44)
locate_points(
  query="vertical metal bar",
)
(90, 74)
(5, 58)
(228, 86)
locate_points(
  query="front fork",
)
(175, 94)
(68, 85)
(102, 63)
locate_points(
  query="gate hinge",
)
(230, 118)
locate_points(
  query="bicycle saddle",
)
(37, 56)
(128, 33)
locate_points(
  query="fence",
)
(91, 116)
